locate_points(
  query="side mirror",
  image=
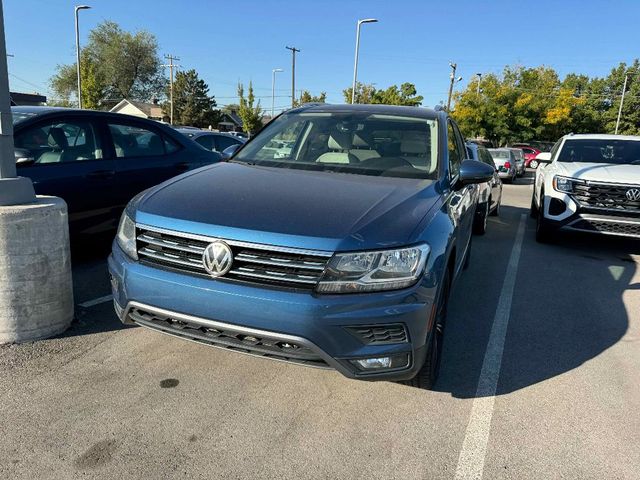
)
(228, 152)
(23, 156)
(472, 171)
(544, 157)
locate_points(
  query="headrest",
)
(57, 138)
(339, 141)
(359, 141)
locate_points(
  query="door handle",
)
(182, 166)
(101, 174)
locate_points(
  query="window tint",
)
(207, 141)
(60, 142)
(528, 151)
(224, 142)
(134, 141)
(455, 153)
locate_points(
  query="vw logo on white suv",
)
(217, 258)
(633, 194)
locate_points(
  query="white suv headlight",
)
(374, 271)
(564, 184)
(126, 236)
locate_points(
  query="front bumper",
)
(563, 212)
(275, 323)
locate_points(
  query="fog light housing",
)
(399, 360)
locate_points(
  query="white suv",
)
(591, 183)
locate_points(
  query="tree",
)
(306, 97)
(251, 115)
(364, 93)
(119, 64)
(406, 94)
(192, 104)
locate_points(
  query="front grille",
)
(611, 227)
(227, 337)
(605, 195)
(380, 334)
(253, 263)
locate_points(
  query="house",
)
(230, 122)
(152, 111)
(29, 99)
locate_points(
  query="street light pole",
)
(453, 78)
(355, 62)
(273, 89)
(624, 89)
(479, 75)
(13, 190)
(76, 10)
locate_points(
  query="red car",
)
(530, 154)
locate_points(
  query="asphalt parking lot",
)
(540, 379)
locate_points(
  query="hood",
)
(287, 207)
(600, 172)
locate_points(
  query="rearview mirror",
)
(544, 157)
(473, 171)
(23, 156)
(228, 152)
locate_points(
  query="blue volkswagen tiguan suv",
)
(331, 239)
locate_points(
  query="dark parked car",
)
(214, 141)
(490, 193)
(338, 254)
(97, 161)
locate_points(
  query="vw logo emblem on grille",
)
(217, 258)
(633, 194)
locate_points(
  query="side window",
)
(60, 142)
(169, 145)
(206, 141)
(135, 141)
(225, 142)
(455, 150)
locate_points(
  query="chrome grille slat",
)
(252, 263)
(166, 257)
(170, 244)
(279, 276)
(277, 262)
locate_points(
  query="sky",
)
(414, 41)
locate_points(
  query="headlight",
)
(126, 236)
(563, 184)
(374, 271)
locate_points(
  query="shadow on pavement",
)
(567, 306)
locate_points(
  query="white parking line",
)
(96, 301)
(474, 448)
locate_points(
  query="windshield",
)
(619, 152)
(347, 142)
(500, 154)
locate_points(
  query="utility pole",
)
(453, 79)
(171, 66)
(479, 75)
(624, 89)
(293, 75)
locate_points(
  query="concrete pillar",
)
(36, 292)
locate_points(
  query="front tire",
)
(428, 374)
(496, 211)
(480, 219)
(543, 230)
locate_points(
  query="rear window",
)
(614, 151)
(500, 154)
